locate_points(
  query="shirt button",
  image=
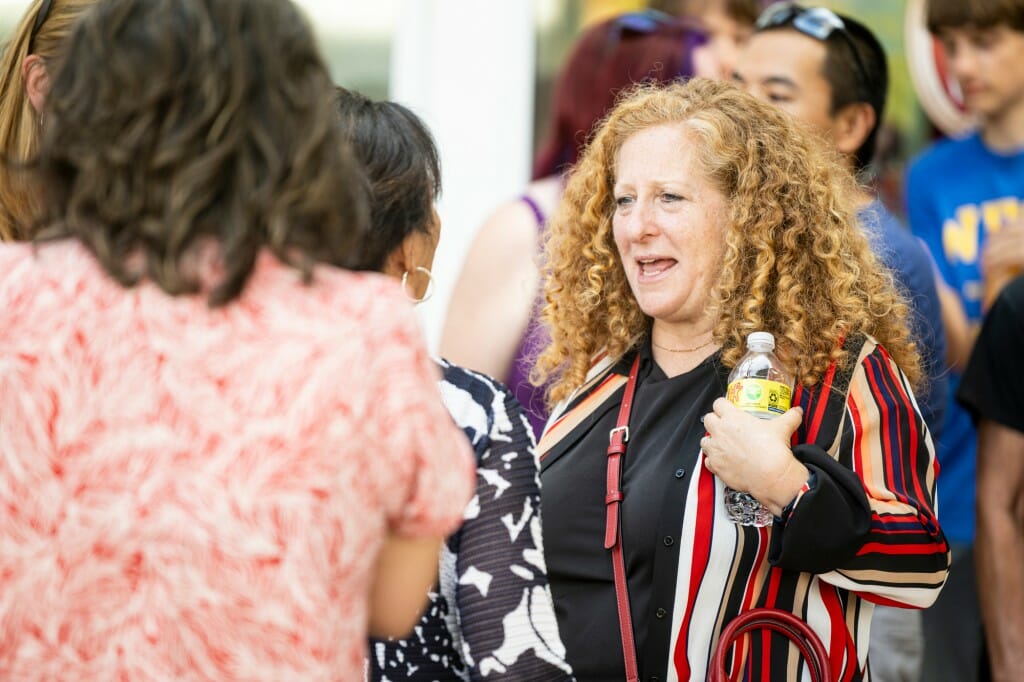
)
(680, 472)
(660, 613)
(668, 540)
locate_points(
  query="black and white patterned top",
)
(491, 618)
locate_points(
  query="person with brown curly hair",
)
(696, 216)
(223, 454)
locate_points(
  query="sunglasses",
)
(817, 22)
(41, 16)
(648, 21)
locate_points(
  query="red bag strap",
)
(776, 620)
(617, 439)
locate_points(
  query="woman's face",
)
(669, 224)
(726, 37)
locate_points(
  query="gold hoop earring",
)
(430, 285)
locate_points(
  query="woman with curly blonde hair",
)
(697, 216)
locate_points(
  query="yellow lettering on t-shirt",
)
(999, 213)
(960, 235)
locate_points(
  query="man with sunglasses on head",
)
(830, 72)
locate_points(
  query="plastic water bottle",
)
(760, 385)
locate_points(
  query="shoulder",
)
(942, 156)
(601, 368)
(876, 377)
(45, 260)
(1013, 296)
(603, 381)
(512, 226)
(479, 404)
(899, 249)
(334, 296)
(547, 193)
(517, 223)
(54, 275)
(479, 389)
(1006, 317)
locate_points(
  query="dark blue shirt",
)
(912, 268)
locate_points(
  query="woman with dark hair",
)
(222, 456)
(492, 318)
(491, 616)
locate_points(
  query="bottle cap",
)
(761, 339)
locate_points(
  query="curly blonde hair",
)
(795, 261)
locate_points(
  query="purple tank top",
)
(535, 338)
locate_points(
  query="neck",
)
(678, 351)
(864, 197)
(1005, 132)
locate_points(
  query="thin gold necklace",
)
(683, 350)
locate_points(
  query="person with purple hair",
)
(492, 324)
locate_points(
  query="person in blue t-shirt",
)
(964, 199)
(830, 71)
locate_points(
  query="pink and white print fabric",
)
(190, 493)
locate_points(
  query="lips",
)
(971, 88)
(653, 268)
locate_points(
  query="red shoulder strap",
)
(617, 439)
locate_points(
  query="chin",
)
(660, 312)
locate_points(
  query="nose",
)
(641, 221)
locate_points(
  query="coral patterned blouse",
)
(190, 493)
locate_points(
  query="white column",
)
(467, 68)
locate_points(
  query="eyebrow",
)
(771, 80)
(780, 80)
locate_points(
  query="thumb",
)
(791, 419)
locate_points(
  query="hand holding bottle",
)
(761, 386)
(753, 455)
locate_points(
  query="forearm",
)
(999, 546)
(959, 334)
(999, 554)
(868, 525)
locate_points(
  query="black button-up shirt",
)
(662, 452)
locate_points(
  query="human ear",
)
(36, 78)
(397, 261)
(852, 126)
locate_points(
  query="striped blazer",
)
(866, 533)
